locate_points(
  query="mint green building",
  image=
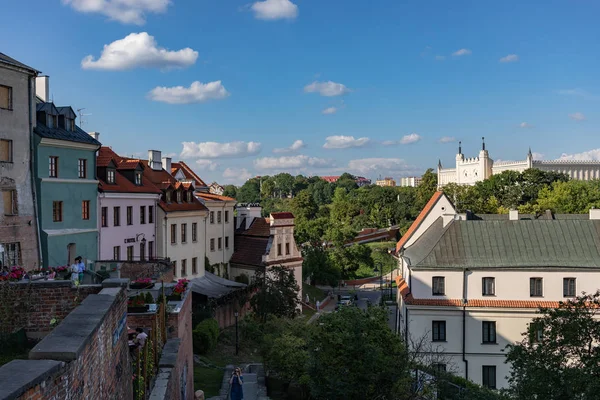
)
(66, 186)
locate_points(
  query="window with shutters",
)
(488, 331)
(489, 376)
(6, 150)
(438, 286)
(536, 288)
(438, 331)
(488, 286)
(57, 211)
(6, 97)
(9, 197)
(85, 209)
(569, 287)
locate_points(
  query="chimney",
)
(95, 135)
(513, 215)
(166, 164)
(42, 87)
(595, 213)
(154, 160)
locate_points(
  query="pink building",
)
(127, 212)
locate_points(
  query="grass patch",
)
(308, 312)
(208, 379)
(314, 292)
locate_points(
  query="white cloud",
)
(275, 9)
(207, 164)
(344, 142)
(236, 176)
(406, 139)
(198, 92)
(290, 162)
(525, 125)
(590, 155)
(329, 110)
(537, 156)
(509, 58)
(462, 52)
(219, 150)
(297, 145)
(139, 50)
(383, 166)
(125, 11)
(577, 116)
(440, 58)
(577, 92)
(328, 89)
(447, 139)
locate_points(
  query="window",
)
(6, 150)
(569, 287)
(438, 285)
(52, 121)
(151, 250)
(10, 254)
(129, 253)
(194, 265)
(179, 196)
(489, 376)
(278, 249)
(536, 287)
(488, 331)
(189, 197)
(168, 196)
(138, 178)
(116, 216)
(226, 216)
(142, 250)
(183, 233)
(183, 267)
(226, 242)
(194, 232)
(212, 217)
(117, 253)
(85, 209)
(175, 268)
(438, 331)
(104, 212)
(110, 176)
(287, 249)
(150, 214)
(440, 367)
(536, 332)
(53, 167)
(219, 243)
(488, 286)
(10, 202)
(129, 215)
(218, 217)
(82, 168)
(6, 97)
(212, 244)
(173, 233)
(142, 215)
(57, 207)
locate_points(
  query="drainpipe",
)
(464, 323)
(32, 173)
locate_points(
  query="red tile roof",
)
(249, 250)
(282, 215)
(260, 227)
(415, 225)
(187, 171)
(214, 197)
(122, 184)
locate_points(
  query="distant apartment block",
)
(412, 181)
(360, 180)
(387, 181)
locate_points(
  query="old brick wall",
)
(161, 271)
(179, 326)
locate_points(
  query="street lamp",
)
(379, 268)
(236, 333)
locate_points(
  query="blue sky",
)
(384, 80)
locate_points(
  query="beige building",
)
(412, 181)
(387, 181)
(470, 284)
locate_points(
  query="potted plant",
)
(137, 304)
(178, 290)
(142, 283)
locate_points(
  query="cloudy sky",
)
(239, 88)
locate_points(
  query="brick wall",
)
(85, 357)
(161, 271)
(179, 326)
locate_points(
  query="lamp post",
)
(379, 266)
(236, 333)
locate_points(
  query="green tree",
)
(284, 184)
(572, 197)
(559, 357)
(317, 266)
(304, 206)
(277, 293)
(321, 191)
(230, 191)
(267, 187)
(353, 354)
(347, 182)
(426, 188)
(249, 192)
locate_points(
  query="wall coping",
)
(168, 359)
(18, 376)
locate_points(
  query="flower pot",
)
(135, 285)
(137, 309)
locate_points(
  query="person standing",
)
(236, 381)
(80, 268)
(75, 273)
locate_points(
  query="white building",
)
(470, 284)
(469, 171)
(412, 181)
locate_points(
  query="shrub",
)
(149, 298)
(205, 336)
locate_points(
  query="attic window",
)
(189, 197)
(110, 175)
(179, 197)
(138, 178)
(52, 121)
(168, 196)
(69, 124)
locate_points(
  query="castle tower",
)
(485, 162)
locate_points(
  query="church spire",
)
(439, 164)
(530, 154)
(459, 147)
(483, 143)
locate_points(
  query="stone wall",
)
(162, 271)
(85, 357)
(179, 326)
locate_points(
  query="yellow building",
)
(387, 181)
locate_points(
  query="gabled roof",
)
(48, 108)
(420, 218)
(78, 135)
(66, 111)
(213, 197)
(4, 59)
(282, 215)
(187, 171)
(260, 227)
(249, 250)
(106, 156)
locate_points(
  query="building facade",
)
(387, 181)
(127, 209)
(66, 184)
(469, 171)
(471, 284)
(412, 181)
(19, 241)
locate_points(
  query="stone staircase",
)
(254, 383)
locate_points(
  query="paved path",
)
(250, 387)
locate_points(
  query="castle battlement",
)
(504, 163)
(567, 162)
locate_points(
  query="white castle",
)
(469, 171)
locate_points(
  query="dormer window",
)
(69, 124)
(110, 176)
(168, 196)
(52, 121)
(138, 178)
(189, 197)
(179, 197)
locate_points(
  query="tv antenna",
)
(81, 115)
